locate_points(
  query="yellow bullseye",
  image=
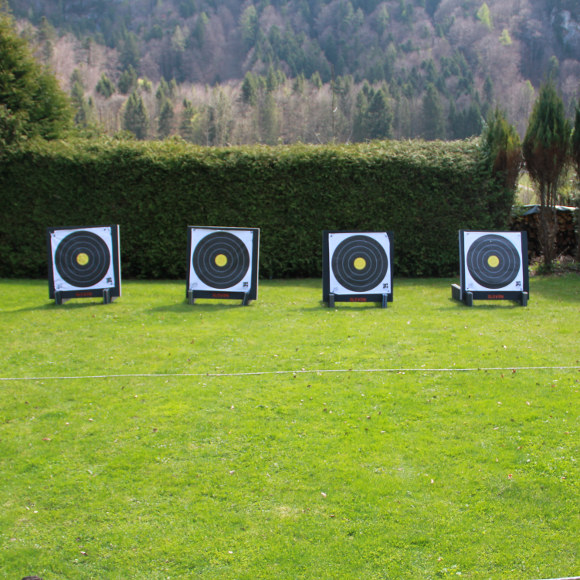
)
(360, 263)
(221, 260)
(493, 261)
(82, 259)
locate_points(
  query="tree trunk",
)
(548, 227)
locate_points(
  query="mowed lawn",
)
(153, 439)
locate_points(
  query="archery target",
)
(493, 261)
(83, 259)
(221, 259)
(359, 263)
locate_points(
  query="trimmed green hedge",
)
(423, 191)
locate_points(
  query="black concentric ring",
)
(493, 261)
(221, 260)
(359, 263)
(82, 259)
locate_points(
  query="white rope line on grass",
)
(294, 372)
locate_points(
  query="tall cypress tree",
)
(576, 141)
(576, 160)
(501, 143)
(545, 148)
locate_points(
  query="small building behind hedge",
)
(527, 218)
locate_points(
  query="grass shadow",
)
(480, 304)
(185, 306)
(53, 306)
(321, 305)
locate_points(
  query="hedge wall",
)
(424, 192)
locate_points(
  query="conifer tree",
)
(473, 120)
(130, 54)
(105, 86)
(187, 118)
(269, 120)
(576, 161)
(374, 115)
(501, 144)
(31, 101)
(484, 15)
(433, 119)
(136, 117)
(199, 31)
(250, 89)
(219, 122)
(249, 25)
(84, 111)
(299, 84)
(165, 119)
(545, 148)
(380, 116)
(128, 80)
(359, 131)
(576, 141)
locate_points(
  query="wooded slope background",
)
(279, 71)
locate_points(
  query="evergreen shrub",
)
(423, 192)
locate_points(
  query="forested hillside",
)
(225, 71)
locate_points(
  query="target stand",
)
(223, 263)
(357, 267)
(84, 262)
(493, 266)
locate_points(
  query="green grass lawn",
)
(151, 439)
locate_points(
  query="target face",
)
(359, 263)
(84, 258)
(222, 259)
(493, 261)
